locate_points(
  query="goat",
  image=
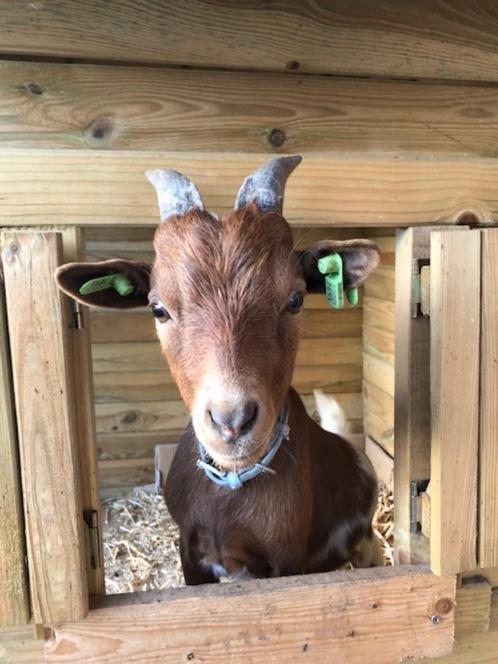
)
(257, 488)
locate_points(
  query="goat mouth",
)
(239, 455)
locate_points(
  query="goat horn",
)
(176, 194)
(265, 187)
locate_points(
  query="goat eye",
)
(160, 313)
(295, 302)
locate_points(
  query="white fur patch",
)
(332, 416)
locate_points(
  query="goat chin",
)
(332, 417)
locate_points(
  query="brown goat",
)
(227, 296)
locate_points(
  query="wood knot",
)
(293, 65)
(130, 417)
(276, 138)
(468, 218)
(444, 606)
(35, 89)
(11, 251)
(99, 132)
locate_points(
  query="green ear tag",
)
(120, 282)
(331, 267)
(352, 295)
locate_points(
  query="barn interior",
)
(394, 107)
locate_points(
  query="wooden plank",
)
(49, 460)
(382, 462)
(378, 416)
(412, 395)
(493, 616)
(73, 246)
(489, 573)
(14, 601)
(379, 313)
(147, 356)
(378, 343)
(388, 618)
(145, 416)
(110, 239)
(118, 386)
(426, 41)
(52, 105)
(455, 333)
(119, 326)
(381, 284)
(134, 445)
(488, 427)
(473, 649)
(473, 607)
(379, 373)
(124, 473)
(106, 187)
(19, 646)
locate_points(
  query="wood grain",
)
(41, 362)
(378, 415)
(134, 445)
(109, 241)
(14, 599)
(121, 473)
(78, 335)
(412, 394)
(472, 649)
(145, 416)
(473, 610)
(105, 187)
(455, 334)
(380, 616)
(440, 40)
(378, 347)
(19, 646)
(380, 284)
(380, 374)
(48, 105)
(488, 425)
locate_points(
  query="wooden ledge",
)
(380, 615)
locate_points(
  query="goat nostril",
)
(250, 413)
(234, 422)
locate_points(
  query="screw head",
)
(435, 619)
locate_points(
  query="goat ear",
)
(72, 276)
(359, 259)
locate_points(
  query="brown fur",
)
(275, 524)
(226, 285)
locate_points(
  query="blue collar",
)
(236, 478)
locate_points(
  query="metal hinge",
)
(91, 518)
(75, 320)
(418, 294)
(417, 488)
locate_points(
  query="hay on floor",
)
(141, 542)
(141, 545)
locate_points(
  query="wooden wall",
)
(378, 346)
(138, 405)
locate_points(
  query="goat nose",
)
(232, 423)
